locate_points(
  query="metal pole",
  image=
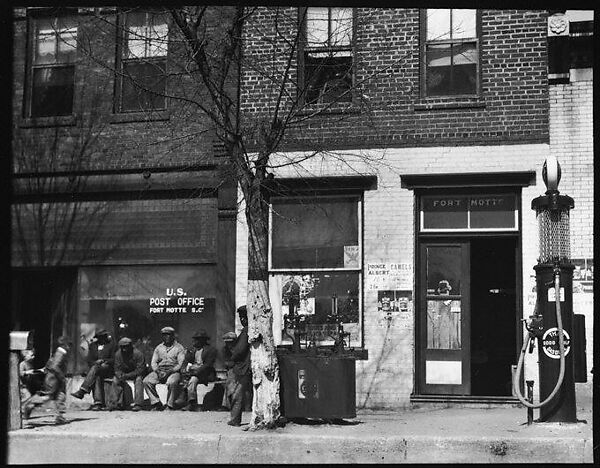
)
(530, 400)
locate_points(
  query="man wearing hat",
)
(166, 363)
(100, 358)
(198, 367)
(129, 365)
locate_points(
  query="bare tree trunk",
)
(265, 369)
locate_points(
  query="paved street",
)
(443, 435)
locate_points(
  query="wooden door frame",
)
(421, 324)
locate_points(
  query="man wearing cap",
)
(198, 367)
(237, 354)
(166, 363)
(100, 358)
(129, 365)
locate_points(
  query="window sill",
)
(454, 103)
(54, 121)
(324, 109)
(150, 116)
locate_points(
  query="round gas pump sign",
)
(550, 343)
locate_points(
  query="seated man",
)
(166, 363)
(100, 358)
(198, 367)
(129, 365)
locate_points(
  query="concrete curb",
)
(70, 447)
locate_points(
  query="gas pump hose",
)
(561, 347)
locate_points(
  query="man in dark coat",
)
(129, 365)
(198, 367)
(101, 358)
(240, 379)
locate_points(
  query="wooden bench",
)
(209, 396)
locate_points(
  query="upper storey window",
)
(326, 73)
(451, 52)
(143, 62)
(54, 45)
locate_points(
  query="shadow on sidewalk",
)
(318, 422)
(32, 425)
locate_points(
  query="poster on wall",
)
(396, 306)
(389, 276)
(583, 275)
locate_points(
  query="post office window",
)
(450, 52)
(327, 54)
(52, 57)
(143, 62)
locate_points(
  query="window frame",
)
(423, 55)
(121, 50)
(468, 229)
(358, 200)
(303, 48)
(272, 272)
(33, 17)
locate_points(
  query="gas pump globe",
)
(552, 323)
(552, 212)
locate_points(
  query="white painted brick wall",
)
(571, 140)
(386, 379)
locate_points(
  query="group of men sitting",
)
(171, 364)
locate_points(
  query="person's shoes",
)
(156, 407)
(168, 408)
(78, 394)
(233, 423)
(191, 406)
(135, 408)
(60, 420)
(97, 407)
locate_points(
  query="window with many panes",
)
(315, 266)
(450, 52)
(326, 55)
(53, 54)
(143, 62)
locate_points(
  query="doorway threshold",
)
(465, 399)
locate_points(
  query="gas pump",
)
(551, 324)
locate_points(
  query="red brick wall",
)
(389, 111)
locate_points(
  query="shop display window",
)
(315, 266)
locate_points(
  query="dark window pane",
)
(52, 92)
(143, 86)
(438, 72)
(492, 211)
(581, 49)
(328, 77)
(464, 68)
(444, 212)
(443, 270)
(314, 234)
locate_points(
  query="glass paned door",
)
(444, 318)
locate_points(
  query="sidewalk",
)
(448, 435)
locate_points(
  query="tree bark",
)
(265, 369)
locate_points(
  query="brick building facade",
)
(119, 201)
(410, 221)
(409, 144)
